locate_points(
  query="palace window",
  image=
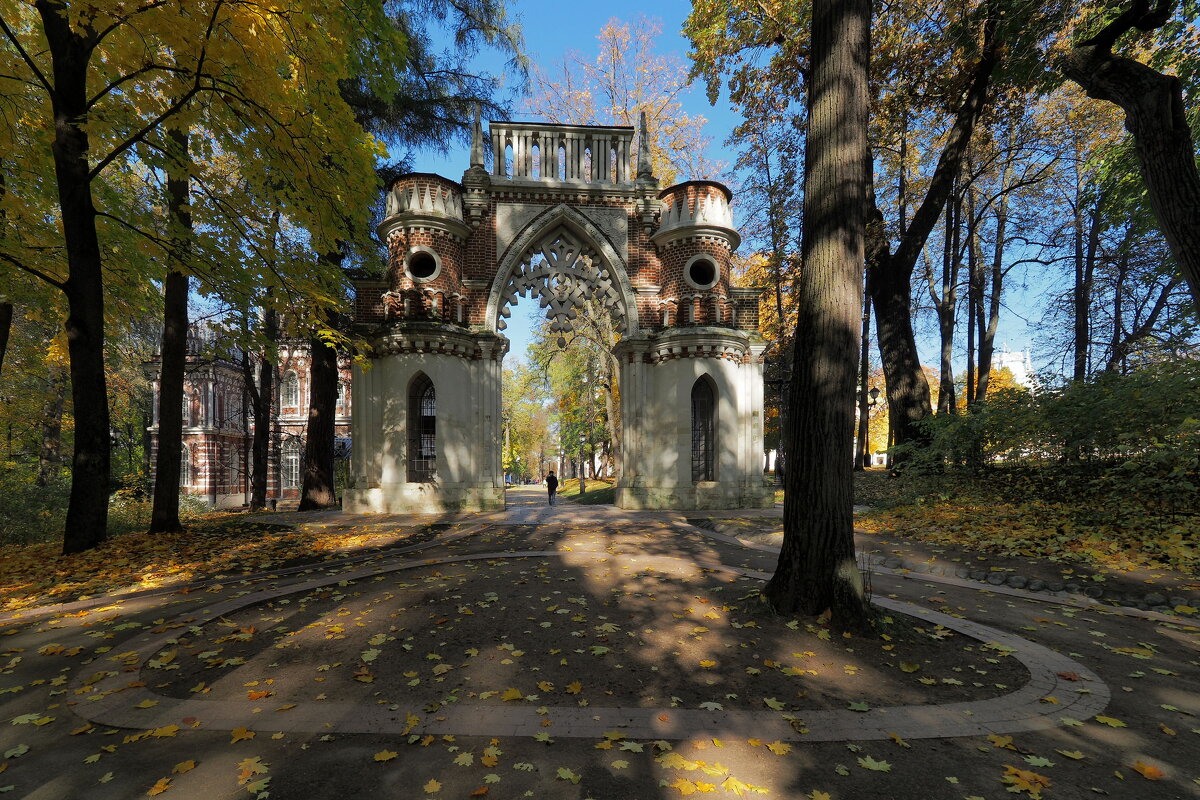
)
(289, 466)
(704, 417)
(289, 392)
(422, 430)
(185, 466)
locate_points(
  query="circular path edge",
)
(115, 698)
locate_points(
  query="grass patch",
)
(995, 518)
(598, 492)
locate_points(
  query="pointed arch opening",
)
(422, 430)
(704, 429)
(562, 163)
(536, 158)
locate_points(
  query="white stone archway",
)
(658, 261)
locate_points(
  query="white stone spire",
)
(644, 171)
(477, 141)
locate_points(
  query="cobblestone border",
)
(113, 699)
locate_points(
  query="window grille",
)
(185, 466)
(289, 468)
(422, 430)
(232, 473)
(291, 391)
(703, 430)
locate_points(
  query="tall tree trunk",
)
(318, 490)
(49, 455)
(987, 341)
(86, 521)
(1154, 114)
(1087, 245)
(947, 305)
(262, 404)
(6, 318)
(862, 448)
(889, 275)
(164, 515)
(975, 275)
(817, 569)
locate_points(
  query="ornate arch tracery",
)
(562, 260)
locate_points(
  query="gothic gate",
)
(561, 217)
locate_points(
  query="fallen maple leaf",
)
(385, 755)
(878, 766)
(779, 748)
(184, 766)
(240, 734)
(1148, 771)
(160, 787)
(1022, 780)
(433, 787)
(1111, 722)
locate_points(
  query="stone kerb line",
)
(1021, 710)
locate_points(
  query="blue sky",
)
(553, 28)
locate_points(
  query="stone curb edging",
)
(1012, 585)
(1018, 711)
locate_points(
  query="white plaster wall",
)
(468, 401)
(657, 447)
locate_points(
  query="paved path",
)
(79, 694)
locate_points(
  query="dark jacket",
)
(551, 483)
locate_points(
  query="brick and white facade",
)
(564, 216)
(218, 427)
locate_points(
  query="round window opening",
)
(702, 272)
(422, 265)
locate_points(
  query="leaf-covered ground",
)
(218, 545)
(610, 636)
(1029, 527)
(1145, 744)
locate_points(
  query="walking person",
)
(551, 486)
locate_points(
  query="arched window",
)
(704, 429)
(562, 163)
(289, 464)
(536, 155)
(508, 161)
(341, 398)
(587, 164)
(422, 430)
(185, 466)
(289, 392)
(612, 165)
(187, 409)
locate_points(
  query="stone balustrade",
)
(587, 153)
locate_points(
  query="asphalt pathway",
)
(89, 708)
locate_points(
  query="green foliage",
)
(31, 513)
(1121, 453)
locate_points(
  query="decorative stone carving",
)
(612, 222)
(562, 273)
